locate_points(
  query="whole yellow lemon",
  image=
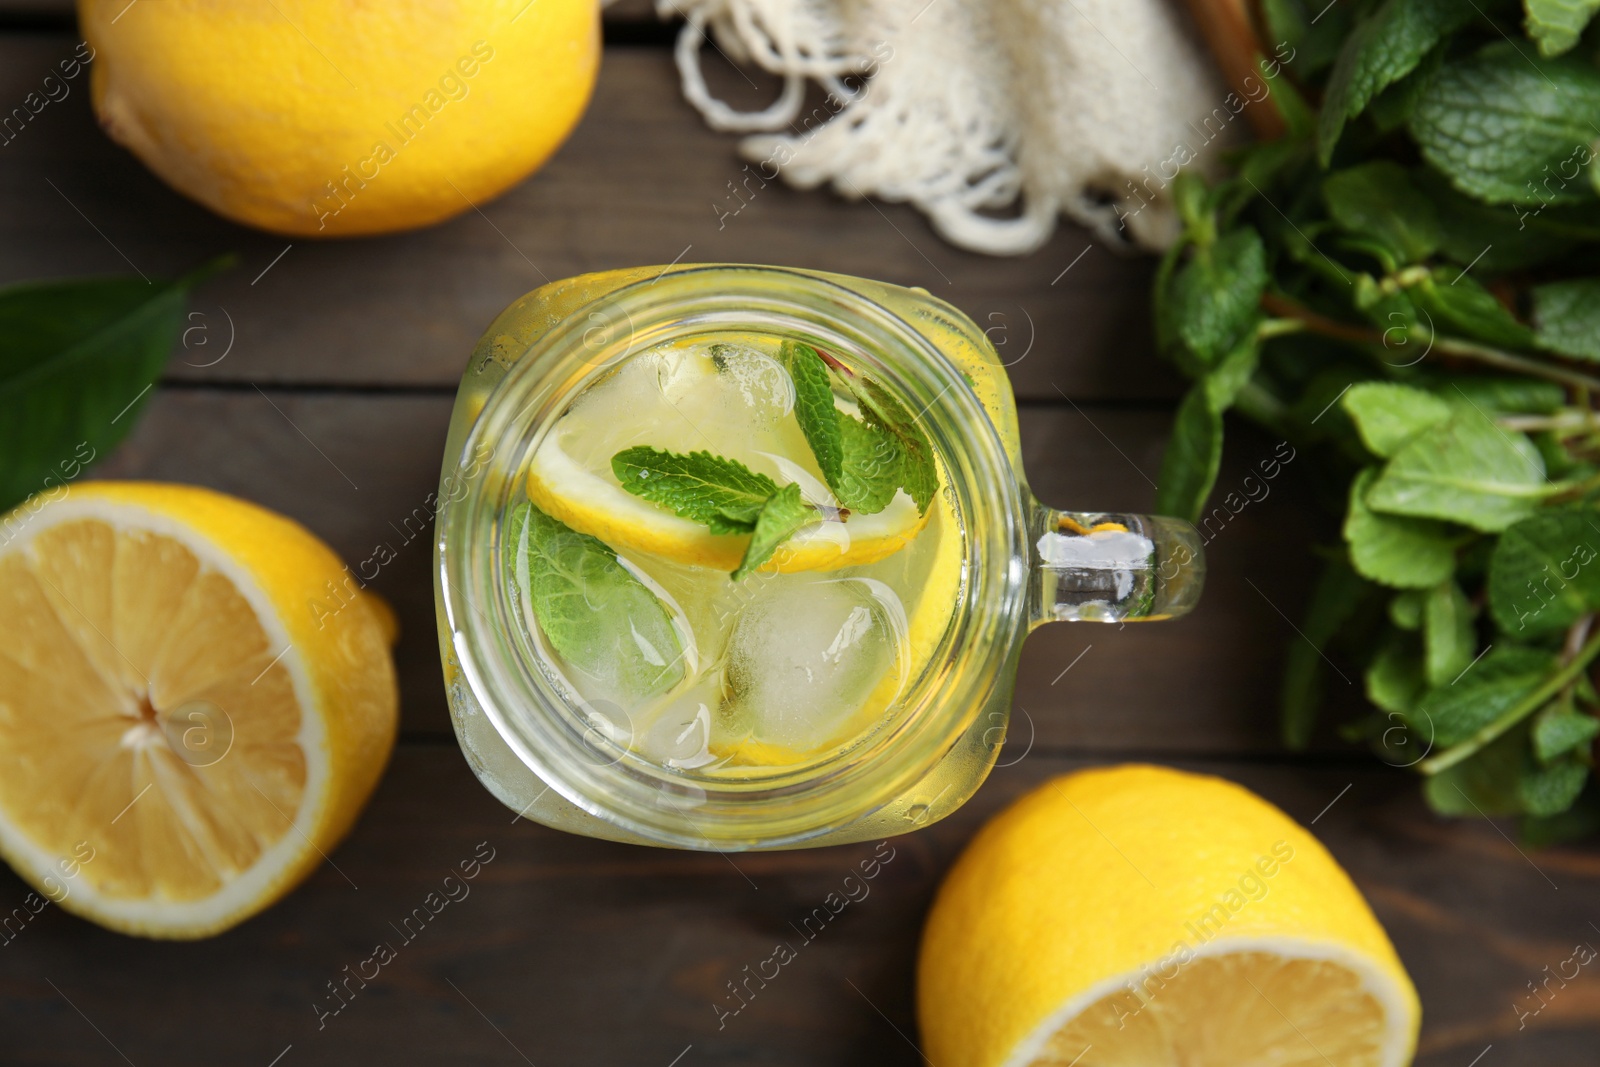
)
(341, 117)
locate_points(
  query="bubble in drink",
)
(807, 655)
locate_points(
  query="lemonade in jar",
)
(741, 557)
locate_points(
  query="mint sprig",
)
(1405, 293)
(863, 460)
(782, 516)
(723, 493)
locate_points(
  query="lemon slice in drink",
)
(730, 399)
(195, 703)
(1135, 916)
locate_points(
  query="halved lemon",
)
(732, 399)
(1143, 917)
(195, 703)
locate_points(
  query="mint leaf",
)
(1394, 679)
(1466, 470)
(813, 407)
(862, 464)
(871, 470)
(1378, 200)
(1486, 783)
(1557, 24)
(782, 516)
(722, 493)
(1214, 297)
(1550, 790)
(1313, 32)
(1459, 305)
(1560, 728)
(1232, 372)
(1544, 573)
(1448, 639)
(1384, 48)
(1338, 593)
(1455, 710)
(1498, 393)
(1193, 456)
(76, 366)
(1511, 129)
(919, 476)
(600, 619)
(1405, 610)
(1494, 239)
(1387, 416)
(1399, 552)
(1566, 317)
(1392, 108)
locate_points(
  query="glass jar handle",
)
(1112, 567)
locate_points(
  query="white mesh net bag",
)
(993, 117)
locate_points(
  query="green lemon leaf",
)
(1550, 790)
(1561, 728)
(76, 366)
(1193, 457)
(1465, 470)
(1215, 296)
(600, 619)
(1509, 128)
(1486, 783)
(1447, 635)
(1378, 200)
(1399, 552)
(1566, 317)
(813, 406)
(782, 516)
(1458, 708)
(1544, 573)
(722, 493)
(1387, 416)
(1339, 592)
(1384, 48)
(1557, 24)
(1459, 305)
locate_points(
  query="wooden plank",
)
(358, 470)
(572, 950)
(641, 181)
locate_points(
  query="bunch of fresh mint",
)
(1407, 287)
(864, 461)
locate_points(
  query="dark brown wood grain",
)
(578, 951)
(331, 406)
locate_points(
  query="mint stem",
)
(1450, 346)
(1521, 710)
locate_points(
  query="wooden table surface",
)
(330, 405)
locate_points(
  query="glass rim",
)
(773, 806)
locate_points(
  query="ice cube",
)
(808, 652)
